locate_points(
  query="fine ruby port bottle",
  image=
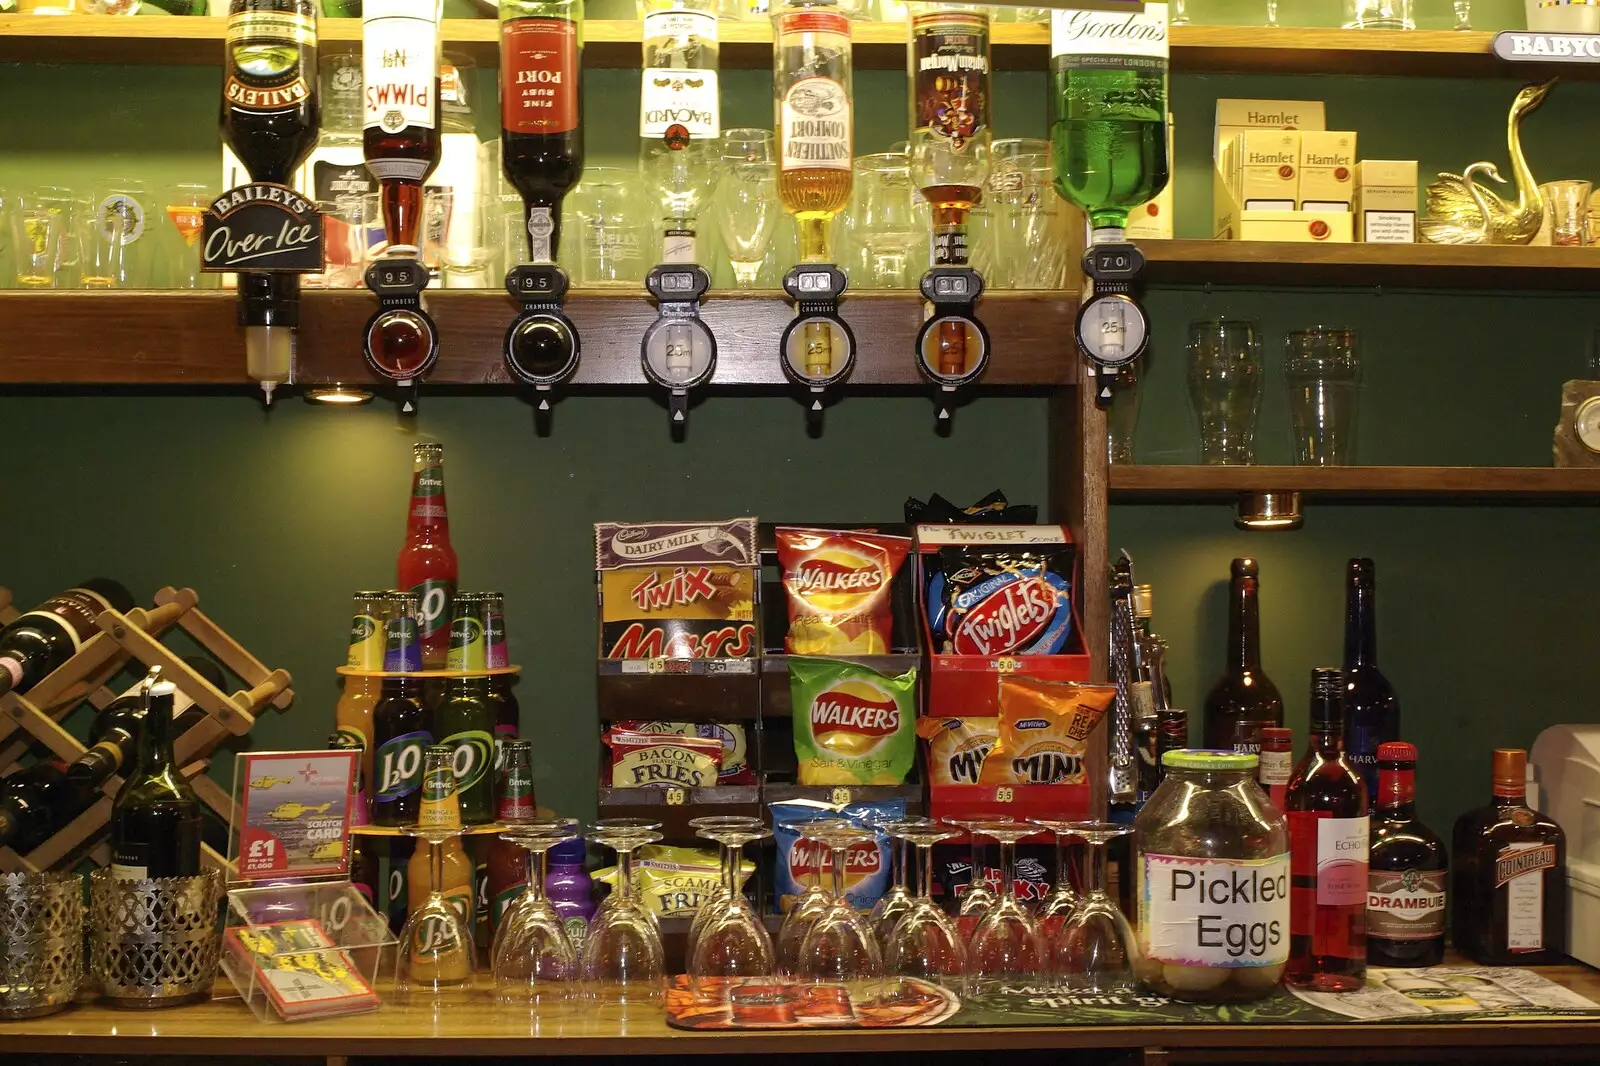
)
(541, 101)
(1508, 897)
(1244, 699)
(1371, 709)
(1406, 869)
(1327, 815)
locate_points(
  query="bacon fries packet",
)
(677, 590)
(838, 586)
(644, 760)
(1044, 729)
(957, 747)
(735, 760)
(852, 725)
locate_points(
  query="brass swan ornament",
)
(1463, 211)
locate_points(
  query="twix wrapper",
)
(1044, 729)
(837, 583)
(677, 590)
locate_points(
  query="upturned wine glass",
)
(622, 955)
(1007, 944)
(1095, 949)
(533, 960)
(632, 825)
(747, 204)
(839, 948)
(1063, 897)
(976, 901)
(925, 942)
(436, 955)
(732, 943)
(811, 903)
(704, 828)
(896, 902)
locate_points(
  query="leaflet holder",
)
(1113, 329)
(400, 341)
(678, 351)
(818, 350)
(542, 345)
(952, 346)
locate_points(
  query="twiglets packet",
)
(735, 768)
(852, 725)
(643, 760)
(802, 862)
(957, 747)
(838, 586)
(1044, 729)
(673, 880)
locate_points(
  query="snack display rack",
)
(135, 635)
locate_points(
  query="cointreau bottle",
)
(1508, 903)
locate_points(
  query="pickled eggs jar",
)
(1211, 859)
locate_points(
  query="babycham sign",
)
(260, 228)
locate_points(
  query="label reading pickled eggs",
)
(1215, 912)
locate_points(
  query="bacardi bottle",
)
(541, 132)
(679, 117)
(813, 100)
(400, 50)
(1108, 97)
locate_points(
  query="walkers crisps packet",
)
(838, 586)
(800, 862)
(957, 747)
(735, 760)
(677, 590)
(852, 725)
(1044, 730)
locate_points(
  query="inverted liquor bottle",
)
(1326, 808)
(948, 65)
(1244, 699)
(1406, 870)
(1508, 894)
(1371, 709)
(270, 116)
(427, 565)
(155, 818)
(1108, 97)
(813, 102)
(401, 141)
(541, 103)
(680, 125)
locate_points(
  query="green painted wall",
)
(276, 517)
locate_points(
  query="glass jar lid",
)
(1213, 761)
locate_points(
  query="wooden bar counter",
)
(477, 1026)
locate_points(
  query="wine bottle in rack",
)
(47, 636)
(156, 819)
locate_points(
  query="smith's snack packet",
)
(802, 862)
(642, 760)
(1044, 729)
(735, 762)
(837, 584)
(852, 725)
(672, 880)
(1000, 601)
(957, 747)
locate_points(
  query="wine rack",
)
(34, 718)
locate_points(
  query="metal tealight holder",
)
(154, 943)
(41, 942)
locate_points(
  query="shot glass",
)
(1567, 205)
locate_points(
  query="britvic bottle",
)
(464, 722)
(427, 565)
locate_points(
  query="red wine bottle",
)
(50, 634)
(1244, 699)
(1327, 815)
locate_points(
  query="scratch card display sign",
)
(293, 814)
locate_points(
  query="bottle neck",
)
(1244, 626)
(1510, 795)
(1397, 790)
(1327, 730)
(155, 737)
(428, 518)
(516, 799)
(1360, 622)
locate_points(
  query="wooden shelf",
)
(1433, 484)
(192, 338)
(1410, 266)
(615, 43)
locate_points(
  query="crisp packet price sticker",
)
(293, 813)
(676, 797)
(1007, 665)
(1003, 794)
(839, 797)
